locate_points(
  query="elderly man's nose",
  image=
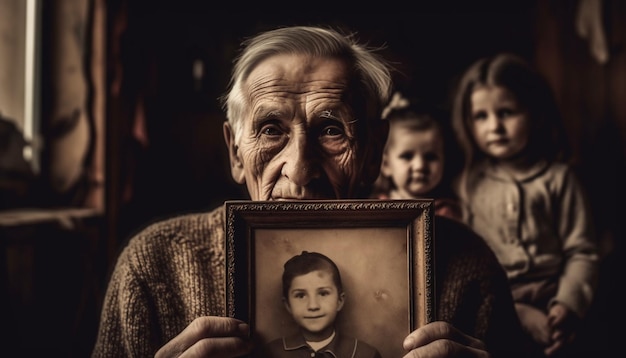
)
(301, 164)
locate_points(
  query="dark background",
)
(174, 160)
(186, 161)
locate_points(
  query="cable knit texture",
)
(174, 271)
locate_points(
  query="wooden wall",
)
(591, 90)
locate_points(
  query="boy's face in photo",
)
(313, 301)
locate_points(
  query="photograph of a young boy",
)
(312, 293)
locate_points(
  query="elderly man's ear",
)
(236, 165)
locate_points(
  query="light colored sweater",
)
(539, 226)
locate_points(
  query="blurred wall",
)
(12, 51)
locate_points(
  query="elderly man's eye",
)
(332, 131)
(271, 130)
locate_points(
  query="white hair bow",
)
(397, 102)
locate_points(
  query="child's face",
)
(500, 124)
(414, 161)
(314, 302)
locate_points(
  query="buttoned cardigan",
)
(539, 226)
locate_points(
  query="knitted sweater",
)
(174, 271)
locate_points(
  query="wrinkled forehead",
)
(297, 74)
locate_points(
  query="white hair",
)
(370, 69)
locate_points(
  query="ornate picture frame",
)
(383, 249)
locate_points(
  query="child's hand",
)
(535, 322)
(563, 323)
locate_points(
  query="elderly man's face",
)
(299, 139)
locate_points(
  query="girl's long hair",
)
(548, 138)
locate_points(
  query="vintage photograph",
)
(346, 270)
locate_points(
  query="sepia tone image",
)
(127, 126)
(315, 270)
(375, 273)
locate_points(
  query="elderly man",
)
(303, 114)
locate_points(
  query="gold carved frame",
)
(384, 250)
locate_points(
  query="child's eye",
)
(406, 156)
(324, 293)
(505, 112)
(298, 295)
(480, 115)
(431, 157)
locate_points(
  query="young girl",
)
(421, 156)
(523, 198)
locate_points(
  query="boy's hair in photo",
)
(308, 262)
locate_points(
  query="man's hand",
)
(535, 322)
(217, 337)
(442, 340)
